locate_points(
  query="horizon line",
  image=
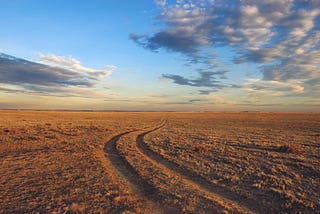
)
(156, 111)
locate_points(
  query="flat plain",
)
(135, 162)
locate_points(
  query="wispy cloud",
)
(161, 2)
(206, 92)
(206, 79)
(188, 102)
(273, 88)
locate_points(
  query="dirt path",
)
(124, 170)
(239, 203)
(150, 193)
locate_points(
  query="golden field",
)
(105, 162)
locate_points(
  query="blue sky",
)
(206, 55)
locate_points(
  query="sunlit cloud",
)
(74, 64)
(23, 76)
(19, 71)
(273, 87)
(280, 37)
(173, 54)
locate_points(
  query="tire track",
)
(125, 171)
(241, 204)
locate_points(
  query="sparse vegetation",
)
(271, 159)
(159, 162)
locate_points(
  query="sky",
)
(162, 55)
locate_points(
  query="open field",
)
(85, 162)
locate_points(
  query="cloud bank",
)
(282, 37)
(60, 77)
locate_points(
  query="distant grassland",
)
(84, 162)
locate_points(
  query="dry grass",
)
(54, 162)
(272, 159)
(50, 162)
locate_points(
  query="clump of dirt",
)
(201, 149)
(287, 149)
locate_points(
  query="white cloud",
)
(272, 87)
(259, 31)
(161, 2)
(59, 77)
(280, 37)
(74, 64)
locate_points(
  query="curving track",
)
(241, 204)
(125, 171)
(189, 179)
